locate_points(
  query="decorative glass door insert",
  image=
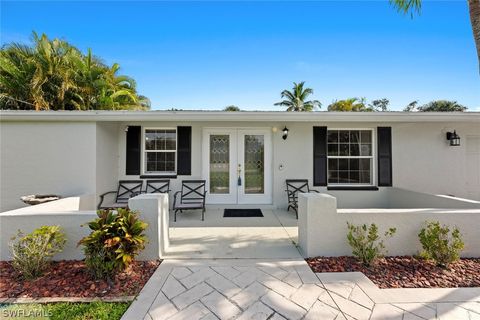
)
(254, 160)
(219, 164)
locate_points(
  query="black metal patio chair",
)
(126, 190)
(192, 196)
(294, 187)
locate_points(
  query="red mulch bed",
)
(71, 279)
(405, 272)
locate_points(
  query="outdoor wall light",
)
(126, 129)
(453, 138)
(285, 133)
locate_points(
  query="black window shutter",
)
(184, 151)
(384, 138)
(133, 150)
(319, 156)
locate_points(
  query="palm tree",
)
(54, 75)
(16, 72)
(295, 99)
(352, 104)
(414, 6)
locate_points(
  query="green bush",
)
(366, 243)
(116, 237)
(32, 253)
(99, 263)
(439, 244)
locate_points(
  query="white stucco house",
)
(355, 154)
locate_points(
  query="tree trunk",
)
(474, 6)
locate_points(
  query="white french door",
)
(237, 166)
(254, 172)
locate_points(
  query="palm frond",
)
(411, 7)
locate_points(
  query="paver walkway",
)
(287, 289)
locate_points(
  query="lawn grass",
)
(62, 311)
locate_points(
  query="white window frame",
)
(373, 158)
(144, 151)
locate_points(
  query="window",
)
(160, 150)
(350, 157)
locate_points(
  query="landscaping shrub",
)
(116, 237)
(439, 244)
(366, 243)
(32, 253)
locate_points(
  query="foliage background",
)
(55, 75)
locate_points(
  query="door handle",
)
(239, 171)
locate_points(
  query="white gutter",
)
(255, 116)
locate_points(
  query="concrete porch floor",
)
(272, 236)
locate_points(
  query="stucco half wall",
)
(322, 228)
(72, 214)
(68, 213)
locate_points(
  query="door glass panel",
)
(254, 164)
(219, 164)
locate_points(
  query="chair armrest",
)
(136, 193)
(315, 191)
(108, 192)
(102, 196)
(175, 198)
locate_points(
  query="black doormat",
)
(242, 213)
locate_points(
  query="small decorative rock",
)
(405, 271)
(71, 278)
(34, 199)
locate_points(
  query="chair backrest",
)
(193, 191)
(126, 188)
(294, 186)
(157, 186)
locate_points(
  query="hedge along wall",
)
(322, 228)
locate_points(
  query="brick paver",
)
(220, 305)
(282, 305)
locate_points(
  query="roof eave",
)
(257, 116)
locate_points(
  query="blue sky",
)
(206, 55)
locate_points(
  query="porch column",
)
(153, 209)
(317, 217)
